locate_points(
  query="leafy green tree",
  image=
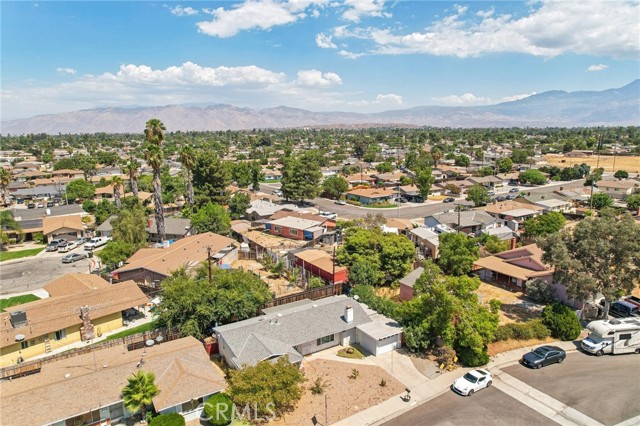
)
(493, 244)
(274, 387)
(532, 176)
(211, 218)
(540, 291)
(543, 225)
(600, 200)
(633, 201)
(561, 321)
(424, 180)
(104, 209)
(8, 222)
(238, 205)
(453, 189)
(520, 156)
(436, 154)
(256, 176)
(130, 226)
(505, 165)
(139, 392)
(462, 161)
(621, 174)
(384, 167)
(392, 255)
(218, 409)
(89, 206)
(193, 305)
(80, 189)
(335, 186)
(457, 253)
(599, 255)
(363, 273)
(169, 419)
(115, 252)
(301, 178)
(210, 179)
(106, 158)
(431, 275)
(187, 158)
(154, 136)
(485, 171)
(478, 195)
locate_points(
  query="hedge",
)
(533, 329)
(172, 419)
(225, 416)
(562, 321)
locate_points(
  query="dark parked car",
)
(50, 204)
(624, 310)
(514, 190)
(31, 206)
(501, 198)
(544, 355)
(511, 197)
(74, 257)
(448, 200)
(402, 200)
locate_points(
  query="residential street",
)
(583, 390)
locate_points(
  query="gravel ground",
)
(345, 396)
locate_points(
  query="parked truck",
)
(618, 336)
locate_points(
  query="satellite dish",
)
(20, 337)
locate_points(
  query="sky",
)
(319, 55)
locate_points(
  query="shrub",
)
(319, 386)
(494, 306)
(383, 383)
(561, 321)
(355, 373)
(38, 237)
(540, 291)
(219, 409)
(471, 357)
(172, 419)
(533, 329)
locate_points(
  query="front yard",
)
(10, 255)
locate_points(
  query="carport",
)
(379, 337)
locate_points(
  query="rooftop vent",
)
(18, 319)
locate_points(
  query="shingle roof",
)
(172, 226)
(411, 278)
(51, 224)
(56, 313)
(295, 222)
(294, 326)
(74, 283)
(425, 234)
(467, 218)
(188, 252)
(621, 184)
(320, 259)
(182, 368)
(522, 263)
(372, 192)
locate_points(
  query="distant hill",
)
(613, 107)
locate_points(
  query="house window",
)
(60, 334)
(293, 232)
(278, 229)
(24, 345)
(324, 340)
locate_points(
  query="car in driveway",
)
(53, 244)
(67, 246)
(74, 257)
(512, 197)
(472, 382)
(544, 355)
(449, 200)
(501, 198)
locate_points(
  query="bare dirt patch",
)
(515, 307)
(507, 345)
(628, 163)
(345, 396)
(388, 292)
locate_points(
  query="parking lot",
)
(584, 389)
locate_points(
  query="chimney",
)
(348, 314)
(86, 331)
(513, 243)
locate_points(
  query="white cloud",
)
(598, 67)
(350, 55)
(252, 14)
(66, 71)
(364, 8)
(551, 28)
(517, 97)
(324, 41)
(469, 99)
(317, 78)
(182, 11)
(389, 98)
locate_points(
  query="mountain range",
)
(612, 107)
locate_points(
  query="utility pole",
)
(209, 262)
(326, 418)
(333, 276)
(598, 143)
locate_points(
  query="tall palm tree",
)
(436, 154)
(117, 184)
(154, 134)
(5, 180)
(139, 392)
(188, 160)
(130, 168)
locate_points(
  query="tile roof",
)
(189, 252)
(80, 384)
(54, 223)
(56, 313)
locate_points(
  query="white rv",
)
(619, 336)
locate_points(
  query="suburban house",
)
(149, 266)
(486, 181)
(388, 179)
(360, 179)
(296, 228)
(411, 193)
(263, 209)
(619, 189)
(105, 229)
(425, 240)
(513, 213)
(106, 192)
(471, 222)
(32, 220)
(554, 205)
(371, 195)
(80, 307)
(305, 327)
(68, 227)
(86, 389)
(68, 173)
(175, 228)
(272, 174)
(43, 191)
(407, 282)
(319, 263)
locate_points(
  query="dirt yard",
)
(515, 308)
(631, 163)
(507, 345)
(345, 396)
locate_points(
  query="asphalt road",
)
(605, 389)
(33, 273)
(413, 211)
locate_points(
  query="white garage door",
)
(388, 344)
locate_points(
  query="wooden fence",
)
(312, 294)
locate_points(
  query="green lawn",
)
(134, 330)
(357, 354)
(10, 255)
(17, 300)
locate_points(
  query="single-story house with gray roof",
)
(303, 328)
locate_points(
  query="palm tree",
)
(5, 180)
(436, 154)
(131, 169)
(139, 392)
(117, 183)
(188, 160)
(154, 133)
